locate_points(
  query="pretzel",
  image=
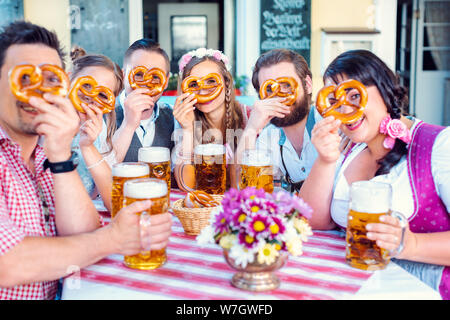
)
(186, 86)
(275, 86)
(200, 199)
(37, 85)
(106, 104)
(147, 80)
(341, 95)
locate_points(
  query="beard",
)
(24, 126)
(299, 110)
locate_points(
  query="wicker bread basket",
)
(193, 220)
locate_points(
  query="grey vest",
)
(163, 131)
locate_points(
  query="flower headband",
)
(200, 53)
(394, 129)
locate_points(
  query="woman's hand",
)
(265, 110)
(388, 235)
(183, 110)
(326, 139)
(91, 125)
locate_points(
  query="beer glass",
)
(256, 170)
(369, 201)
(210, 169)
(158, 160)
(156, 191)
(121, 172)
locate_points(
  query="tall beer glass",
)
(210, 169)
(122, 172)
(256, 170)
(369, 201)
(158, 160)
(156, 191)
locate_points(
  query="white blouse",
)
(402, 198)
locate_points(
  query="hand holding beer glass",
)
(256, 170)
(369, 201)
(210, 169)
(156, 191)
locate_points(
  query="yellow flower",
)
(255, 209)
(249, 239)
(274, 228)
(227, 241)
(267, 254)
(242, 217)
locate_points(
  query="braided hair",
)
(367, 68)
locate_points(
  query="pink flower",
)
(394, 129)
(217, 55)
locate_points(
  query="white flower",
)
(206, 235)
(267, 254)
(228, 241)
(303, 228)
(241, 255)
(295, 246)
(200, 52)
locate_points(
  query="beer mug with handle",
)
(158, 160)
(156, 191)
(369, 200)
(210, 169)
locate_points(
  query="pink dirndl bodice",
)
(430, 213)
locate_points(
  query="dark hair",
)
(147, 45)
(82, 60)
(276, 56)
(21, 32)
(367, 68)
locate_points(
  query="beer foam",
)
(256, 158)
(145, 189)
(210, 149)
(370, 197)
(154, 154)
(130, 169)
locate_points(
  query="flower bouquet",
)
(257, 230)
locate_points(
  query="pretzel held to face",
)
(340, 95)
(89, 88)
(276, 87)
(154, 79)
(27, 80)
(200, 199)
(212, 82)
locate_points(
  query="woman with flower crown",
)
(216, 121)
(412, 156)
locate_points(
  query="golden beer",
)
(369, 201)
(256, 170)
(156, 191)
(122, 172)
(210, 168)
(158, 160)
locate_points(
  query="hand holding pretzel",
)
(340, 94)
(28, 81)
(212, 82)
(86, 88)
(276, 89)
(154, 79)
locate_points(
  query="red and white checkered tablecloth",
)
(201, 273)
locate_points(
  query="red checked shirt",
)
(26, 210)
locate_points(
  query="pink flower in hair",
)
(394, 129)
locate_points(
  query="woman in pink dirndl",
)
(390, 147)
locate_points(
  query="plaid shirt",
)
(22, 210)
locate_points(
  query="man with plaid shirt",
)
(48, 223)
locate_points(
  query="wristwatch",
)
(63, 166)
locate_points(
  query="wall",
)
(51, 14)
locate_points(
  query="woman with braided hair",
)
(217, 121)
(410, 155)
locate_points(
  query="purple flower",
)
(302, 207)
(247, 240)
(276, 228)
(221, 224)
(258, 224)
